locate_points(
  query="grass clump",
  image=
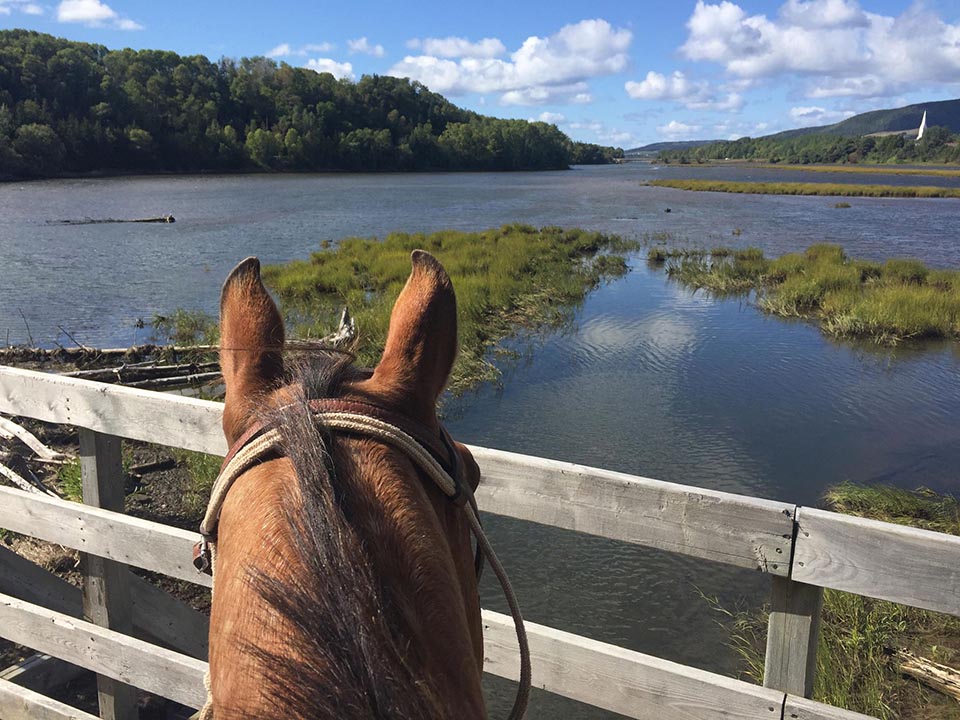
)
(70, 480)
(515, 276)
(890, 302)
(798, 188)
(842, 205)
(203, 470)
(856, 663)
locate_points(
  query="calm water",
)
(649, 378)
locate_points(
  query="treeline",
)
(937, 146)
(71, 107)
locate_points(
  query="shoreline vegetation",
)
(934, 170)
(900, 299)
(507, 280)
(799, 188)
(71, 108)
(860, 663)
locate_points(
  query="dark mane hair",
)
(352, 663)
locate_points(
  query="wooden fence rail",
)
(802, 549)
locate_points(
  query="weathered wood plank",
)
(792, 634)
(620, 680)
(733, 529)
(157, 615)
(131, 661)
(20, 703)
(797, 708)
(877, 559)
(106, 584)
(113, 410)
(125, 539)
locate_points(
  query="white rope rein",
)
(379, 429)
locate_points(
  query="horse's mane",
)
(346, 659)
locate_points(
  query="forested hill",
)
(70, 107)
(876, 136)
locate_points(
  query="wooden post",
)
(792, 634)
(106, 584)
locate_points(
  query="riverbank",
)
(798, 188)
(886, 302)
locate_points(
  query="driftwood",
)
(135, 353)
(91, 221)
(941, 678)
(10, 430)
(33, 485)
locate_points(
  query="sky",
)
(606, 71)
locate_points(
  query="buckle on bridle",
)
(202, 557)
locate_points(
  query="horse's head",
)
(337, 559)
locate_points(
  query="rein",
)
(438, 460)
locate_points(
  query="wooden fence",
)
(133, 634)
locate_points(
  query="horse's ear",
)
(251, 344)
(421, 342)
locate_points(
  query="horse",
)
(346, 584)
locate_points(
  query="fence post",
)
(792, 634)
(106, 584)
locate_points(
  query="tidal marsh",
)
(798, 188)
(516, 276)
(889, 302)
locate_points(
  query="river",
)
(649, 378)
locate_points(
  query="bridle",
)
(432, 452)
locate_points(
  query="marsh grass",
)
(855, 667)
(798, 188)
(864, 169)
(505, 279)
(890, 302)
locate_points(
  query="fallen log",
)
(10, 430)
(93, 221)
(941, 678)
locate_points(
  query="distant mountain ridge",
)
(668, 145)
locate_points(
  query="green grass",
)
(203, 470)
(70, 480)
(898, 300)
(855, 668)
(512, 277)
(797, 188)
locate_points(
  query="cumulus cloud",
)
(286, 50)
(604, 134)
(362, 45)
(805, 116)
(454, 47)
(694, 95)
(675, 130)
(94, 13)
(325, 65)
(540, 70)
(841, 49)
(551, 117)
(7, 7)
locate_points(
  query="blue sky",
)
(613, 72)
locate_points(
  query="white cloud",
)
(326, 65)
(805, 116)
(5, 10)
(31, 9)
(539, 71)
(694, 95)
(362, 45)
(604, 134)
(454, 47)
(551, 117)
(281, 50)
(286, 50)
(841, 49)
(94, 13)
(674, 130)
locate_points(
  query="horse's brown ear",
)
(251, 344)
(421, 342)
